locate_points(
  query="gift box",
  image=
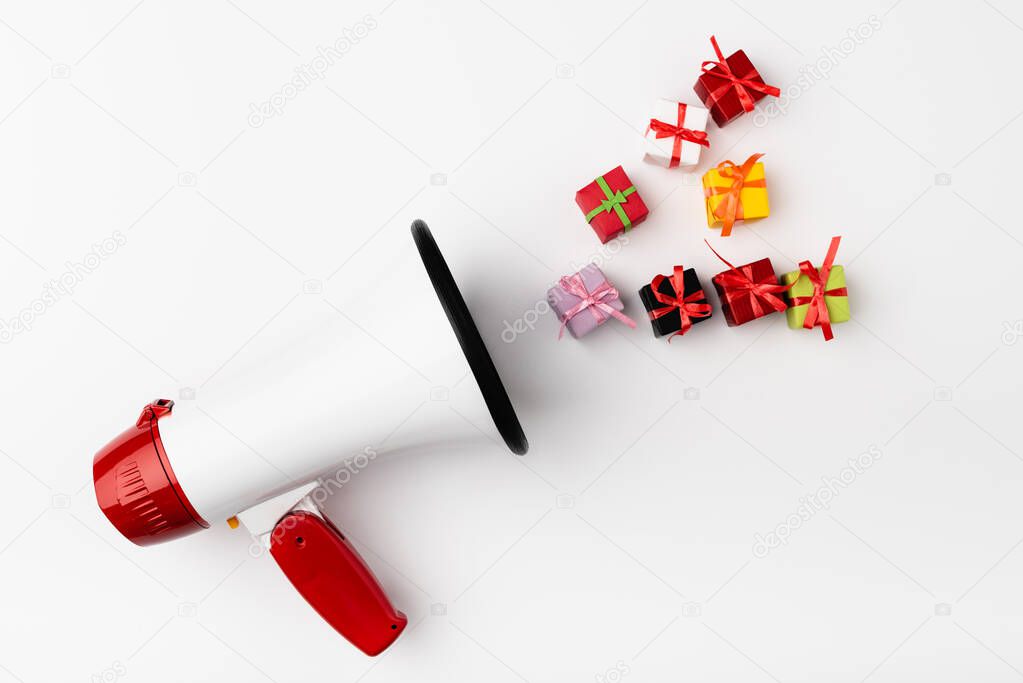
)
(584, 301)
(818, 296)
(735, 193)
(675, 134)
(748, 292)
(675, 303)
(730, 87)
(611, 204)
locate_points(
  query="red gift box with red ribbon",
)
(748, 292)
(745, 294)
(731, 87)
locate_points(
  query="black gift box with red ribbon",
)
(671, 322)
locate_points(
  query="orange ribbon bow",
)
(730, 210)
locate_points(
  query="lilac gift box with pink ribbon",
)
(586, 300)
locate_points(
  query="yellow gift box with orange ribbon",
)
(735, 193)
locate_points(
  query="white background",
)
(624, 540)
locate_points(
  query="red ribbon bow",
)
(742, 84)
(595, 301)
(817, 314)
(687, 306)
(680, 133)
(737, 283)
(730, 210)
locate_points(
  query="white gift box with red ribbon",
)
(673, 134)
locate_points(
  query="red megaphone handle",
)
(331, 576)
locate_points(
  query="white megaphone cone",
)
(319, 400)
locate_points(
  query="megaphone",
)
(170, 474)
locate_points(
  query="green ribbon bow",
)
(613, 202)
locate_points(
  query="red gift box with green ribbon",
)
(611, 204)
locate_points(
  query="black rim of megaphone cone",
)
(482, 366)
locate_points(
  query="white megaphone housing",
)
(171, 474)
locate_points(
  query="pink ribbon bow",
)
(595, 301)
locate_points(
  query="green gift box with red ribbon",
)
(818, 297)
(611, 204)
